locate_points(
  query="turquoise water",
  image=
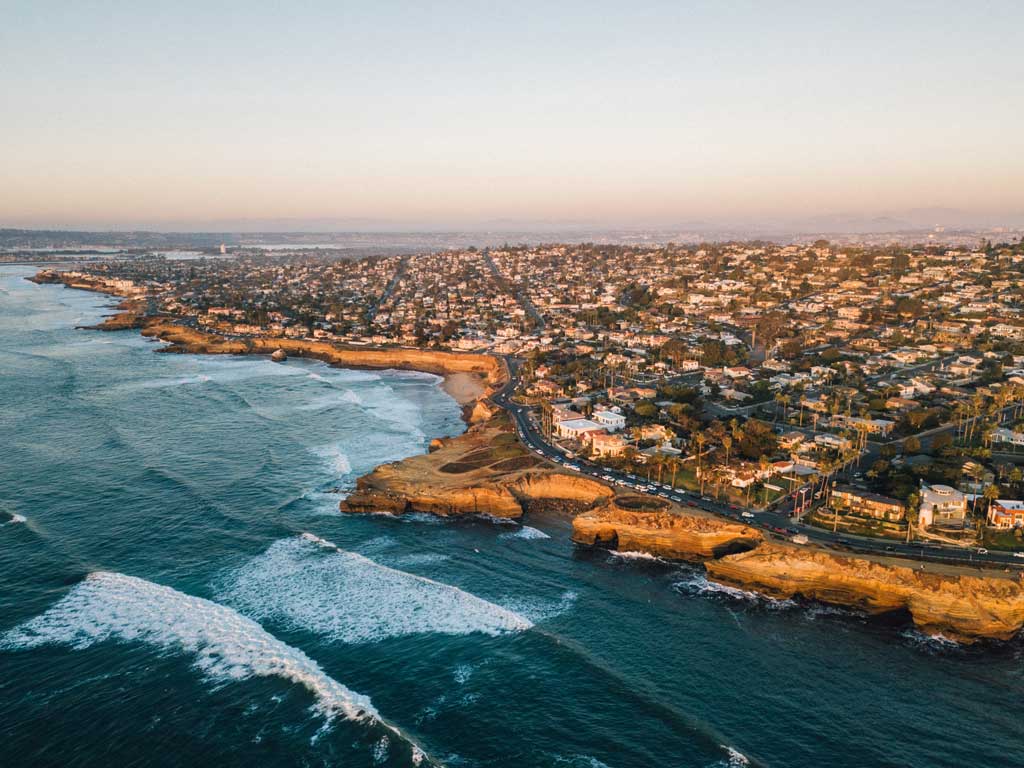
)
(177, 588)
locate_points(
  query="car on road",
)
(982, 551)
(1018, 554)
(748, 515)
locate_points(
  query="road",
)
(371, 313)
(776, 523)
(520, 296)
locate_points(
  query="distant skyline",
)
(392, 116)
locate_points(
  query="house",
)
(1006, 513)
(942, 506)
(1009, 436)
(852, 501)
(790, 440)
(871, 426)
(602, 444)
(610, 420)
(834, 442)
(576, 429)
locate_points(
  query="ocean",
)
(177, 587)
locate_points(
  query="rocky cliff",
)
(184, 339)
(952, 602)
(484, 471)
(661, 532)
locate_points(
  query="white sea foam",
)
(578, 761)
(381, 750)
(309, 583)
(17, 519)
(934, 642)
(631, 555)
(733, 757)
(525, 532)
(334, 459)
(698, 584)
(462, 673)
(538, 609)
(226, 645)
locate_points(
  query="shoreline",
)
(449, 480)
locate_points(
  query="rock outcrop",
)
(184, 339)
(951, 603)
(482, 472)
(662, 533)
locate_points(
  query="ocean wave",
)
(933, 643)
(419, 558)
(226, 645)
(577, 761)
(631, 555)
(309, 583)
(335, 459)
(698, 584)
(538, 609)
(733, 758)
(15, 519)
(525, 532)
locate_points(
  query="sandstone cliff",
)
(952, 603)
(663, 533)
(484, 471)
(184, 339)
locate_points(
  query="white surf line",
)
(311, 584)
(226, 645)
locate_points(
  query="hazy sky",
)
(447, 113)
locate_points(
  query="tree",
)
(911, 445)
(940, 442)
(727, 444)
(700, 438)
(645, 409)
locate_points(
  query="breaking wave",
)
(734, 758)
(525, 532)
(226, 645)
(17, 519)
(630, 555)
(698, 584)
(309, 583)
(334, 458)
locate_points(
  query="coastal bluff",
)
(952, 603)
(661, 533)
(484, 471)
(189, 340)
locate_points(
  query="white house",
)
(577, 428)
(942, 506)
(610, 420)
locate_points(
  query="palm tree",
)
(700, 439)
(674, 463)
(764, 463)
(913, 510)
(727, 444)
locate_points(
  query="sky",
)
(254, 115)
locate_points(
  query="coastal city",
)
(867, 396)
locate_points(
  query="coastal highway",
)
(776, 523)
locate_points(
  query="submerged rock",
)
(279, 356)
